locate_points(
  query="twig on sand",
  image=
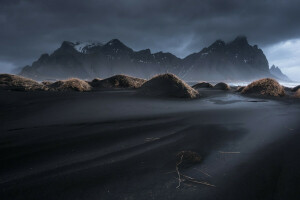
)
(202, 172)
(203, 183)
(196, 181)
(188, 178)
(185, 176)
(178, 173)
(229, 152)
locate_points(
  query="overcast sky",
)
(32, 27)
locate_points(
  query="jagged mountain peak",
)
(115, 46)
(273, 67)
(115, 42)
(240, 40)
(276, 71)
(164, 55)
(145, 51)
(216, 46)
(66, 47)
(88, 47)
(218, 43)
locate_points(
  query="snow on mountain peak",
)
(82, 47)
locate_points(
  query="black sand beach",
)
(120, 145)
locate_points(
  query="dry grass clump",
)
(19, 83)
(73, 84)
(95, 81)
(168, 85)
(118, 81)
(47, 83)
(202, 85)
(297, 93)
(222, 86)
(295, 89)
(266, 86)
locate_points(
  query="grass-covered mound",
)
(222, 86)
(295, 89)
(19, 83)
(239, 89)
(95, 81)
(266, 86)
(297, 93)
(168, 85)
(202, 85)
(118, 81)
(47, 83)
(72, 84)
(288, 89)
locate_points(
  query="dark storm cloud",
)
(32, 27)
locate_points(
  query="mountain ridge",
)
(235, 60)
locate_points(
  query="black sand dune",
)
(120, 145)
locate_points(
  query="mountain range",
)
(233, 61)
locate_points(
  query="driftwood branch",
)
(188, 178)
(203, 172)
(178, 173)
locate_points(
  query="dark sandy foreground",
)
(118, 145)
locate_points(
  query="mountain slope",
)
(236, 60)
